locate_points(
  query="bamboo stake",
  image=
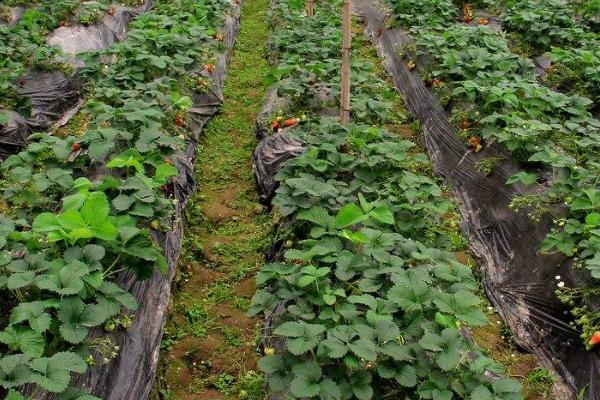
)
(310, 8)
(347, 43)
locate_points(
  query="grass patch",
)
(226, 236)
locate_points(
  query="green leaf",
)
(93, 252)
(271, 364)
(387, 331)
(14, 370)
(95, 209)
(361, 385)
(164, 172)
(365, 349)
(161, 264)
(396, 351)
(329, 299)
(444, 320)
(383, 214)
(20, 280)
(122, 202)
(593, 219)
(298, 329)
(581, 203)
(46, 222)
(12, 394)
(305, 280)
(306, 381)
(301, 345)
(505, 385)
(66, 280)
(33, 312)
(481, 393)
(27, 340)
(406, 376)
(52, 374)
(316, 215)
(330, 390)
(336, 348)
(71, 314)
(431, 341)
(525, 178)
(349, 215)
(141, 247)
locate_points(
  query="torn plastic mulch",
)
(272, 150)
(55, 96)
(518, 280)
(130, 376)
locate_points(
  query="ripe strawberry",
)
(75, 146)
(275, 124)
(595, 339)
(475, 143)
(464, 124)
(291, 122)
(180, 120)
(209, 68)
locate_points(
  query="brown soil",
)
(246, 288)
(219, 205)
(518, 364)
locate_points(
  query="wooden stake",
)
(347, 43)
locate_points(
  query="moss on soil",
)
(209, 348)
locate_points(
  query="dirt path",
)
(209, 345)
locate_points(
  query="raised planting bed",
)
(92, 230)
(362, 297)
(520, 158)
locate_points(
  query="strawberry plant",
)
(577, 70)
(308, 60)
(409, 13)
(496, 96)
(542, 23)
(368, 310)
(80, 208)
(366, 299)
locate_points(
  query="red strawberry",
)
(180, 120)
(475, 143)
(595, 339)
(290, 122)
